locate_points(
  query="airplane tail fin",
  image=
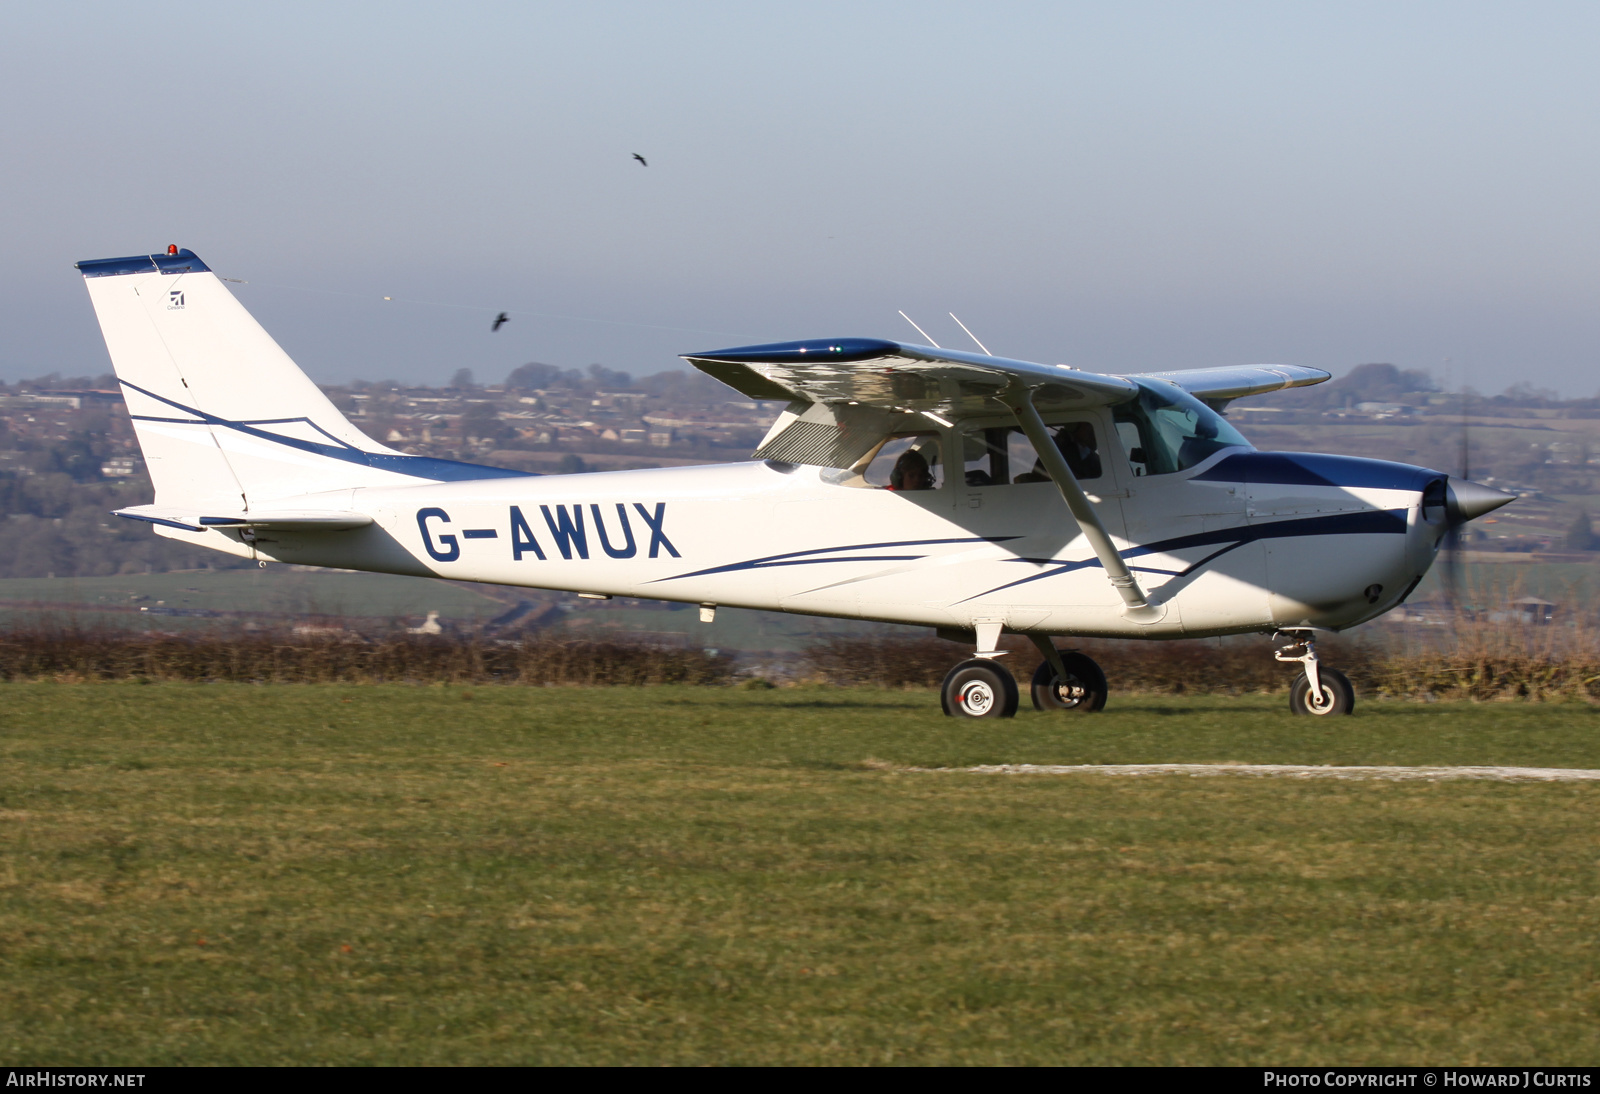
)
(225, 418)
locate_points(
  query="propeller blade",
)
(1464, 500)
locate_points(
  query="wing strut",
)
(1136, 607)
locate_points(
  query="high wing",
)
(897, 376)
(1220, 386)
(846, 393)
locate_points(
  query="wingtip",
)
(815, 349)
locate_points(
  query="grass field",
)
(276, 591)
(279, 595)
(238, 875)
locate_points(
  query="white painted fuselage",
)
(249, 457)
(786, 538)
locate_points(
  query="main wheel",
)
(1084, 689)
(1338, 697)
(979, 688)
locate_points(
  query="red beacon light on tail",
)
(172, 248)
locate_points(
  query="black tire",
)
(979, 688)
(1338, 696)
(1084, 690)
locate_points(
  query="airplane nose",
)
(1468, 500)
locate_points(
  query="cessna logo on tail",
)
(568, 529)
(175, 300)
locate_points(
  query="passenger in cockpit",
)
(1083, 456)
(1077, 445)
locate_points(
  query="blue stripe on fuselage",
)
(1316, 469)
(798, 558)
(1368, 522)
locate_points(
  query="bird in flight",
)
(500, 320)
(642, 161)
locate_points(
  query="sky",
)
(1119, 186)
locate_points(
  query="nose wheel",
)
(1336, 696)
(1320, 691)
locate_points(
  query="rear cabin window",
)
(907, 462)
(1003, 454)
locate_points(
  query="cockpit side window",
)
(984, 458)
(1165, 429)
(1000, 455)
(907, 462)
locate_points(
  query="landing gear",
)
(1084, 688)
(982, 688)
(979, 688)
(1337, 696)
(1321, 691)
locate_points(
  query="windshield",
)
(1165, 429)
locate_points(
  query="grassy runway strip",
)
(324, 874)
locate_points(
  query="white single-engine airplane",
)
(906, 484)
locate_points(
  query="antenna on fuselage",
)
(922, 332)
(972, 336)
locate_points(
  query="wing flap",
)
(826, 435)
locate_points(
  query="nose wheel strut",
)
(1321, 690)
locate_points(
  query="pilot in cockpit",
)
(1201, 442)
(911, 472)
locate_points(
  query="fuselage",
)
(1241, 541)
(902, 483)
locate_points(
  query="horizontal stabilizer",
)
(287, 520)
